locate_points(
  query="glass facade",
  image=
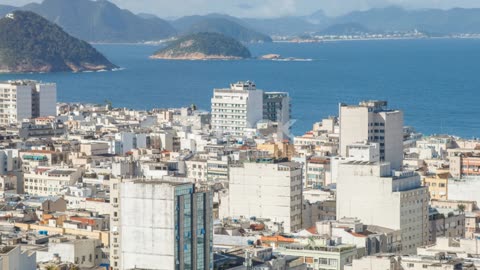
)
(193, 229)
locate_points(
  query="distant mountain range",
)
(344, 29)
(223, 24)
(102, 21)
(435, 21)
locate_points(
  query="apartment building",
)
(464, 163)
(277, 108)
(84, 252)
(446, 223)
(372, 121)
(319, 252)
(160, 223)
(376, 195)
(26, 99)
(49, 181)
(437, 185)
(237, 108)
(317, 172)
(392, 262)
(267, 189)
(14, 258)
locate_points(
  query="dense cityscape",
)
(92, 186)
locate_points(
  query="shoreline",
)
(371, 39)
(156, 43)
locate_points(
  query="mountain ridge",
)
(31, 43)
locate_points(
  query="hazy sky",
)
(267, 8)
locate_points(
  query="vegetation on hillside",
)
(30, 43)
(208, 44)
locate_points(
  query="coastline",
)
(371, 39)
(195, 57)
(158, 43)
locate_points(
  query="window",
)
(410, 265)
(323, 261)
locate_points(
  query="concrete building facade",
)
(164, 225)
(396, 200)
(371, 121)
(268, 190)
(26, 99)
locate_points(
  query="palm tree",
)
(461, 208)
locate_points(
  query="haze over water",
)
(435, 82)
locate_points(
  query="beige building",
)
(437, 185)
(472, 224)
(94, 148)
(267, 190)
(278, 150)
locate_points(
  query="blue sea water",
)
(436, 82)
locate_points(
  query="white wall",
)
(365, 192)
(147, 236)
(263, 191)
(466, 190)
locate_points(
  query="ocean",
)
(436, 82)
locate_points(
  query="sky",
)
(267, 8)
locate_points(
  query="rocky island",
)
(30, 43)
(203, 46)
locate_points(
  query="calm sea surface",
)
(435, 82)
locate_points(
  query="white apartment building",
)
(197, 169)
(267, 190)
(49, 181)
(236, 108)
(371, 121)
(373, 193)
(26, 99)
(84, 252)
